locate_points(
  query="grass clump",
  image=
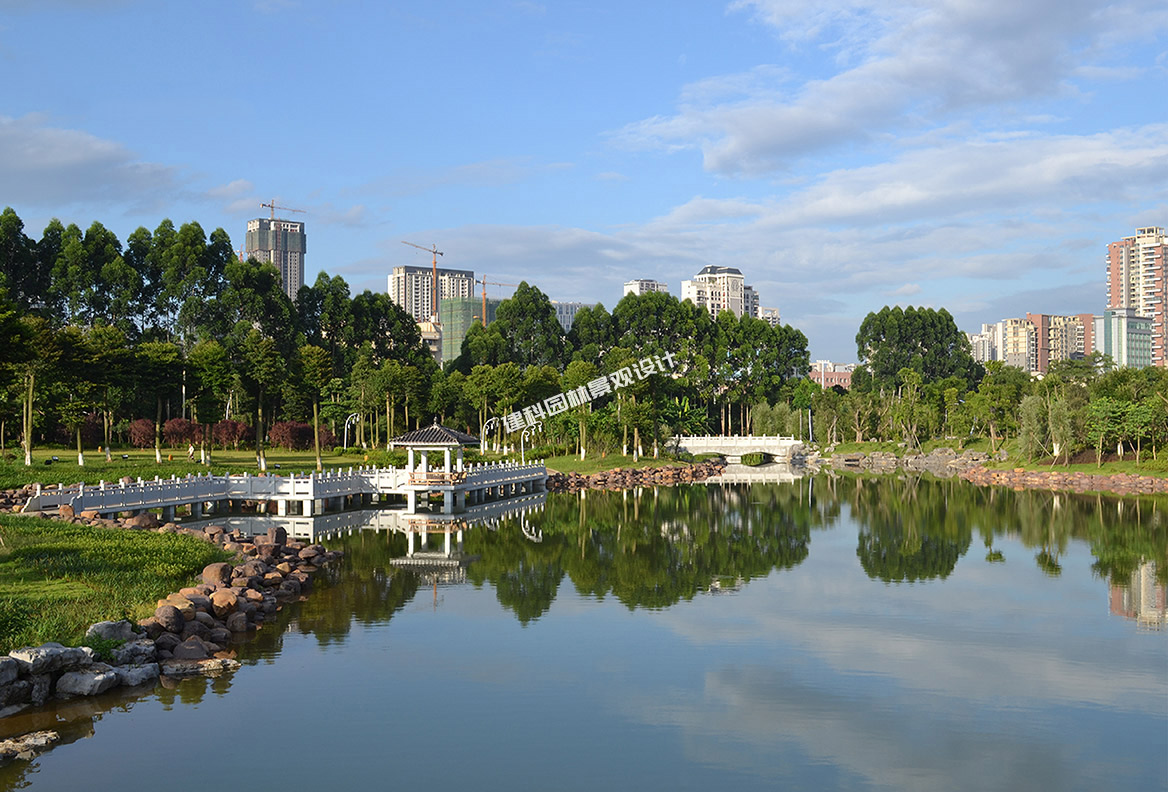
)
(57, 578)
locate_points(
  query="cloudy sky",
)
(975, 155)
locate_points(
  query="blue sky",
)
(975, 155)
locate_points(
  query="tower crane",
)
(435, 252)
(274, 206)
(483, 280)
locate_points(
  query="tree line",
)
(174, 326)
(918, 383)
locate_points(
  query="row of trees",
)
(173, 325)
(919, 383)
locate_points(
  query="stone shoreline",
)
(190, 633)
(621, 479)
(1110, 483)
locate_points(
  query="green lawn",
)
(56, 578)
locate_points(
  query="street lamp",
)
(352, 419)
(535, 427)
(487, 427)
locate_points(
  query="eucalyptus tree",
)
(922, 339)
(316, 369)
(159, 371)
(111, 372)
(577, 375)
(211, 381)
(38, 356)
(531, 333)
(264, 369)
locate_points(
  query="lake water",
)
(819, 634)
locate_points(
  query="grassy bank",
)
(56, 579)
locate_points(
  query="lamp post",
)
(535, 427)
(352, 419)
(487, 427)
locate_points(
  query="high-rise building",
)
(769, 315)
(717, 289)
(1035, 342)
(412, 288)
(1019, 344)
(643, 286)
(566, 312)
(1136, 280)
(1125, 336)
(282, 243)
(458, 315)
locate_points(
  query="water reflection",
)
(863, 643)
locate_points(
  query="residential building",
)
(432, 338)
(566, 312)
(717, 289)
(644, 286)
(458, 315)
(1019, 344)
(412, 288)
(750, 301)
(1126, 337)
(282, 243)
(1136, 280)
(769, 315)
(987, 345)
(828, 374)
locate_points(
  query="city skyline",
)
(844, 156)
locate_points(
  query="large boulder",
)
(112, 631)
(217, 574)
(170, 618)
(224, 601)
(192, 648)
(51, 658)
(237, 622)
(97, 679)
(27, 746)
(277, 535)
(133, 675)
(146, 521)
(184, 605)
(135, 653)
(9, 670)
(212, 667)
(167, 641)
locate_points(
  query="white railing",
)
(159, 493)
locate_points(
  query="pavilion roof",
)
(435, 435)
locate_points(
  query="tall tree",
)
(922, 339)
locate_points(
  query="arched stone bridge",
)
(733, 447)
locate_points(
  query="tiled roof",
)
(435, 435)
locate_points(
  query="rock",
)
(135, 652)
(196, 629)
(152, 626)
(97, 679)
(146, 521)
(9, 670)
(184, 605)
(133, 675)
(41, 685)
(205, 619)
(201, 602)
(212, 667)
(167, 641)
(51, 658)
(233, 547)
(222, 635)
(27, 746)
(273, 578)
(277, 535)
(251, 569)
(90, 514)
(170, 618)
(65, 512)
(223, 601)
(112, 631)
(217, 574)
(17, 693)
(283, 568)
(252, 595)
(213, 530)
(192, 648)
(237, 622)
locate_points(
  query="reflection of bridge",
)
(315, 529)
(775, 473)
(733, 447)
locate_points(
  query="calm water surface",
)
(820, 634)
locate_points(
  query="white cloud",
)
(901, 66)
(42, 165)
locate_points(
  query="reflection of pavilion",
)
(1142, 599)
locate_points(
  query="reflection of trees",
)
(909, 529)
(363, 588)
(916, 529)
(526, 575)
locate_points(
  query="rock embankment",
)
(190, 632)
(620, 479)
(942, 462)
(1115, 483)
